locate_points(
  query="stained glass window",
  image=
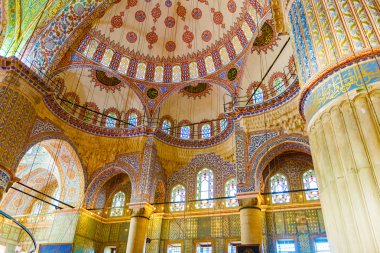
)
(159, 74)
(310, 182)
(107, 57)
(140, 72)
(209, 62)
(223, 124)
(237, 45)
(206, 131)
(279, 85)
(123, 66)
(176, 74)
(166, 125)
(111, 120)
(258, 97)
(278, 184)
(205, 184)
(231, 190)
(118, 204)
(132, 120)
(193, 69)
(224, 55)
(185, 132)
(178, 195)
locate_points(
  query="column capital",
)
(141, 209)
(250, 200)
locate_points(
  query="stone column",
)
(251, 218)
(17, 116)
(138, 227)
(337, 46)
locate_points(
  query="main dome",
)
(170, 41)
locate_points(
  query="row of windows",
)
(186, 133)
(132, 120)
(205, 192)
(279, 187)
(278, 86)
(321, 245)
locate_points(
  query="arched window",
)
(279, 85)
(178, 195)
(258, 97)
(310, 182)
(118, 203)
(205, 184)
(166, 125)
(132, 120)
(231, 190)
(206, 131)
(223, 124)
(279, 184)
(111, 120)
(185, 132)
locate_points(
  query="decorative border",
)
(178, 142)
(328, 85)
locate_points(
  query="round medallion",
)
(168, 3)
(218, 18)
(196, 13)
(206, 36)
(231, 5)
(116, 21)
(131, 37)
(169, 22)
(151, 37)
(187, 36)
(232, 74)
(170, 46)
(152, 93)
(140, 16)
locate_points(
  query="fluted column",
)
(345, 141)
(337, 46)
(138, 228)
(251, 218)
(17, 116)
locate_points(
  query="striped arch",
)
(101, 177)
(270, 150)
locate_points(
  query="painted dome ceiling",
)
(170, 41)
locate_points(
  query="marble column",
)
(251, 218)
(17, 116)
(138, 228)
(337, 47)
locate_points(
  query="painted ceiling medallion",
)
(196, 13)
(106, 81)
(170, 46)
(232, 74)
(152, 93)
(267, 39)
(196, 91)
(206, 36)
(140, 16)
